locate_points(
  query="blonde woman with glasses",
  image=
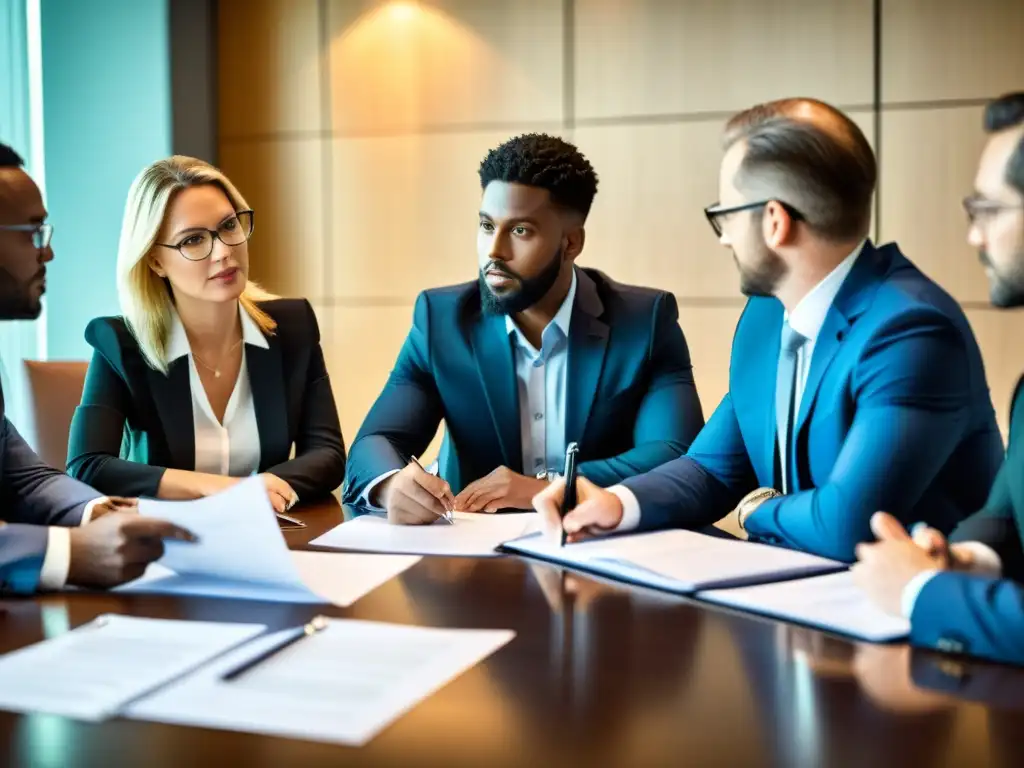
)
(205, 378)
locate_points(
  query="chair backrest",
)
(53, 390)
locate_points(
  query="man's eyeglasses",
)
(41, 233)
(978, 207)
(715, 213)
(199, 245)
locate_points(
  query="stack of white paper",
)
(342, 685)
(833, 602)
(241, 554)
(678, 561)
(95, 670)
(472, 535)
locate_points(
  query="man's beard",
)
(530, 290)
(1005, 289)
(18, 300)
(762, 278)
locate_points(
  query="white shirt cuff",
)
(912, 590)
(985, 560)
(365, 496)
(630, 509)
(57, 561)
(87, 513)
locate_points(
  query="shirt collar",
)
(561, 319)
(809, 315)
(178, 346)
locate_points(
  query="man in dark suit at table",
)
(53, 530)
(855, 382)
(968, 596)
(535, 354)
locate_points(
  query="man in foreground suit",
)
(53, 530)
(967, 597)
(535, 354)
(855, 382)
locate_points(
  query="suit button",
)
(950, 645)
(538, 416)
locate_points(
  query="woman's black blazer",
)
(134, 422)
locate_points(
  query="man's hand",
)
(118, 547)
(598, 510)
(957, 557)
(111, 504)
(282, 497)
(885, 568)
(501, 489)
(415, 497)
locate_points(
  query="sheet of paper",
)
(472, 535)
(343, 685)
(334, 577)
(241, 554)
(679, 561)
(91, 672)
(833, 602)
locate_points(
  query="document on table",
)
(241, 554)
(472, 534)
(343, 685)
(833, 602)
(93, 671)
(678, 561)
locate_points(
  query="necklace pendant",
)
(216, 374)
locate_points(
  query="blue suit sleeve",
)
(971, 614)
(22, 549)
(913, 400)
(702, 487)
(669, 416)
(405, 417)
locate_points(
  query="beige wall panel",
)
(400, 67)
(999, 333)
(269, 66)
(951, 49)
(647, 225)
(405, 212)
(709, 332)
(929, 158)
(637, 57)
(364, 345)
(283, 182)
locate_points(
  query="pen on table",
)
(447, 516)
(316, 625)
(293, 520)
(569, 497)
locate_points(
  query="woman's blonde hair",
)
(146, 300)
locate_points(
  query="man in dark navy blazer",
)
(968, 596)
(44, 541)
(855, 382)
(535, 354)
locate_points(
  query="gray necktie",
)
(785, 391)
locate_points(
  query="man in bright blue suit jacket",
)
(535, 354)
(43, 542)
(855, 382)
(968, 597)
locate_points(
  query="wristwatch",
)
(752, 501)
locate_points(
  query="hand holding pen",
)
(413, 496)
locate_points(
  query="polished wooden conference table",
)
(598, 674)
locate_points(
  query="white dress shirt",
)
(807, 318)
(57, 560)
(541, 377)
(231, 447)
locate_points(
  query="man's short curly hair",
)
(9, 158)
(548, 162)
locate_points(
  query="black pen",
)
(569, 497)
(316, 625)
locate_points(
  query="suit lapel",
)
(588, 342)
(269, 398)
(492, 348)
(172, 396)
(853, 299)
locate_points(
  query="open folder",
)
(241, 554)
(679, 561)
